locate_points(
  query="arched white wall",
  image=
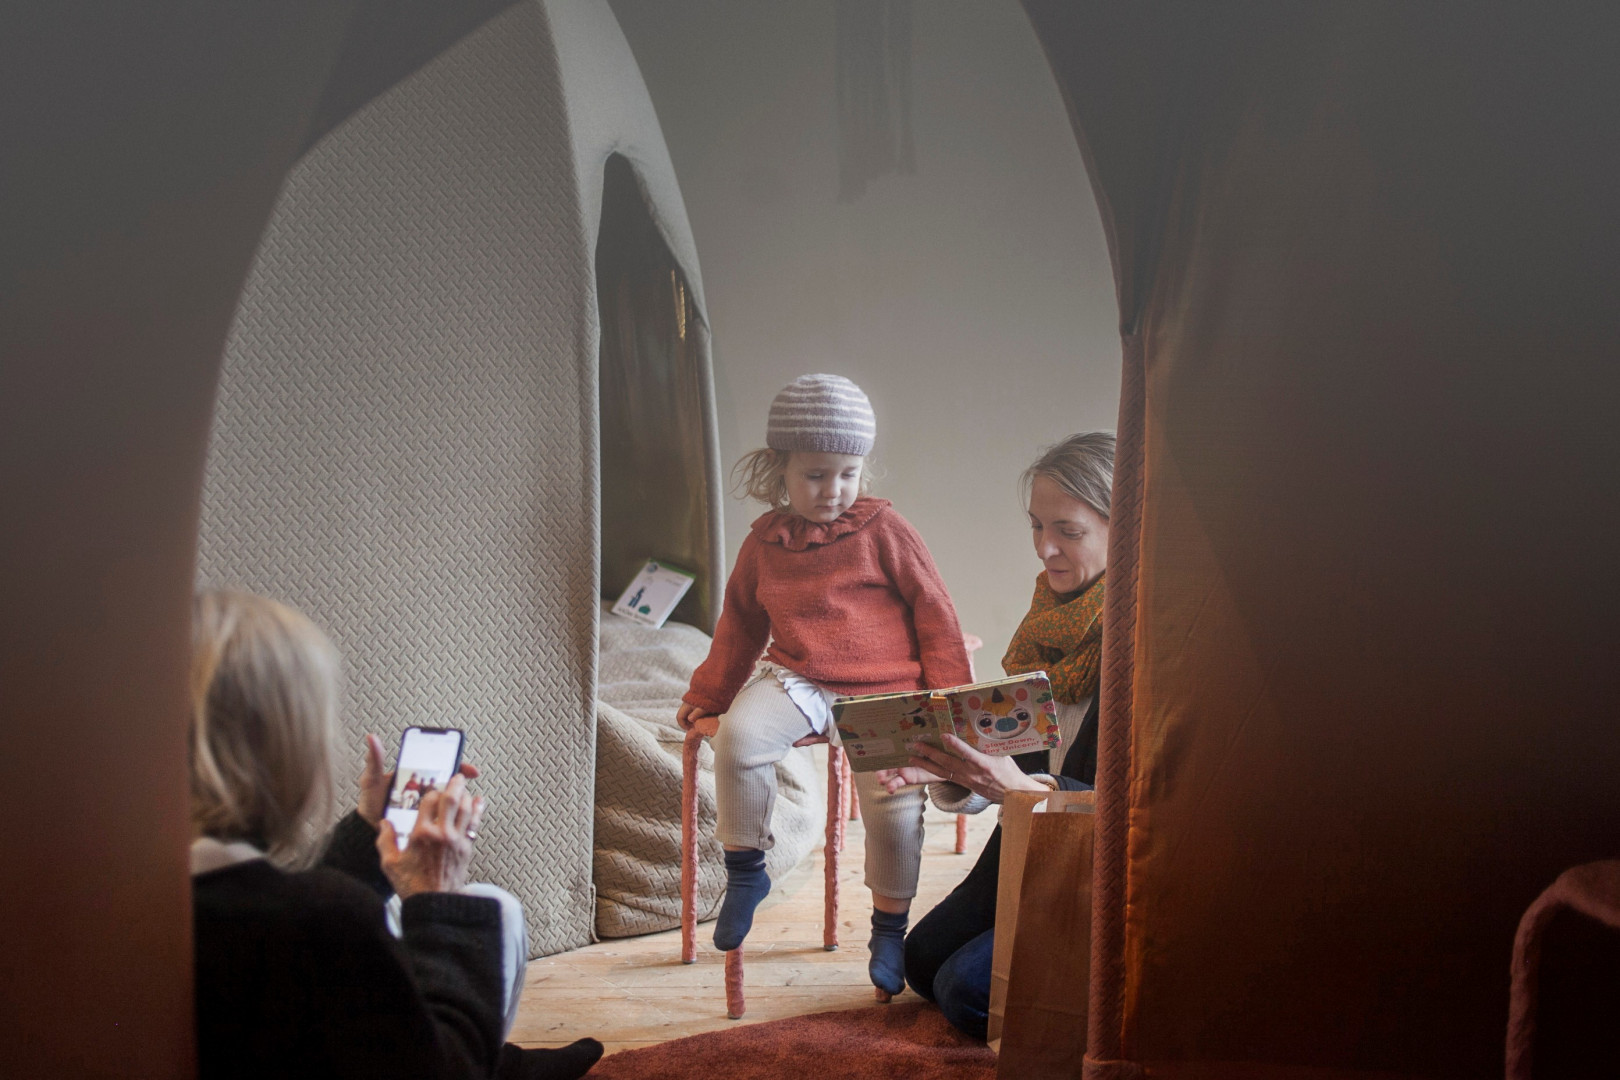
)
(973, 300)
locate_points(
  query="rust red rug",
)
(910, 1040)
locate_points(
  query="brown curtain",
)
(144, 146)
(1360, 697)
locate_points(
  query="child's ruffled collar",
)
(798, 533)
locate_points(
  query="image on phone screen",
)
(428, 758)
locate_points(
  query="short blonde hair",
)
(761, 475)
(264, 693)
(1082, 466)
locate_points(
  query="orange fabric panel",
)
(144, 148)
(1374, 699)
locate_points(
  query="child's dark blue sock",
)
(746, 885)
(887, 967)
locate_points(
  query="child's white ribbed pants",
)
(760, 729)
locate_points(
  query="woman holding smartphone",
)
(298, 973)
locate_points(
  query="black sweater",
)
(978, 889)
(298, 976)
(1079, 772)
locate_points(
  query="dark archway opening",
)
(655, 493)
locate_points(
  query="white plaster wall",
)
(973, 301)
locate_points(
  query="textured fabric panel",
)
(1375, 451)
(644, 671)
(405, 441)
(1118, 689)
(610, 112)
(143, 147)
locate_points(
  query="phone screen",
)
(428, 758)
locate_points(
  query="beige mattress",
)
(641, 676)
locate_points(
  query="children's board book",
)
(654, 593)
(1014, 715)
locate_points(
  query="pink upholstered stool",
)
(842, 806)
(972, 643)
(839, 797)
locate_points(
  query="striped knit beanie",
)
(824, 414)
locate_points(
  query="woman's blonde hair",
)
(1082, 466)
(264, 690)
(761, 475)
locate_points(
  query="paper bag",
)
(1040, 967)
(1016, 813)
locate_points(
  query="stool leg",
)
(689, 847)
(849, 782)
(845, 796)
(735, 1005)
(837, 791)
(961, 834)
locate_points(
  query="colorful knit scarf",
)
(1062, 634)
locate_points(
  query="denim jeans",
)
(962, 986)
(948, 951)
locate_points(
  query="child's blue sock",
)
(746, 885)
(887, 967)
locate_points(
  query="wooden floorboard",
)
(634, 992)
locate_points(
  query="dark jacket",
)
(970, 909)
(1079, 772)
(977, 892)
(298, 976)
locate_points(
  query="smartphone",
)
(428, 758)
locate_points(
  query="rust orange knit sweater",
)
(854, 604)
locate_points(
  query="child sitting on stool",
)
(845, 593)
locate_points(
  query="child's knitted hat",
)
(824, 414)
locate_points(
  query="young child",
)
(845, 593)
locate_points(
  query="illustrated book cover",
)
(1008, 716)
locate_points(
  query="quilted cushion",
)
(642, 674)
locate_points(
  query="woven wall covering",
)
(406, 438)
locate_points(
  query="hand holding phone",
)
(428, 759)
(438, 855)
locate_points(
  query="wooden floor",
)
(634, 992)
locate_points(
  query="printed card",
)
(654, 593)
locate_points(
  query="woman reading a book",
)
(1067, 491)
